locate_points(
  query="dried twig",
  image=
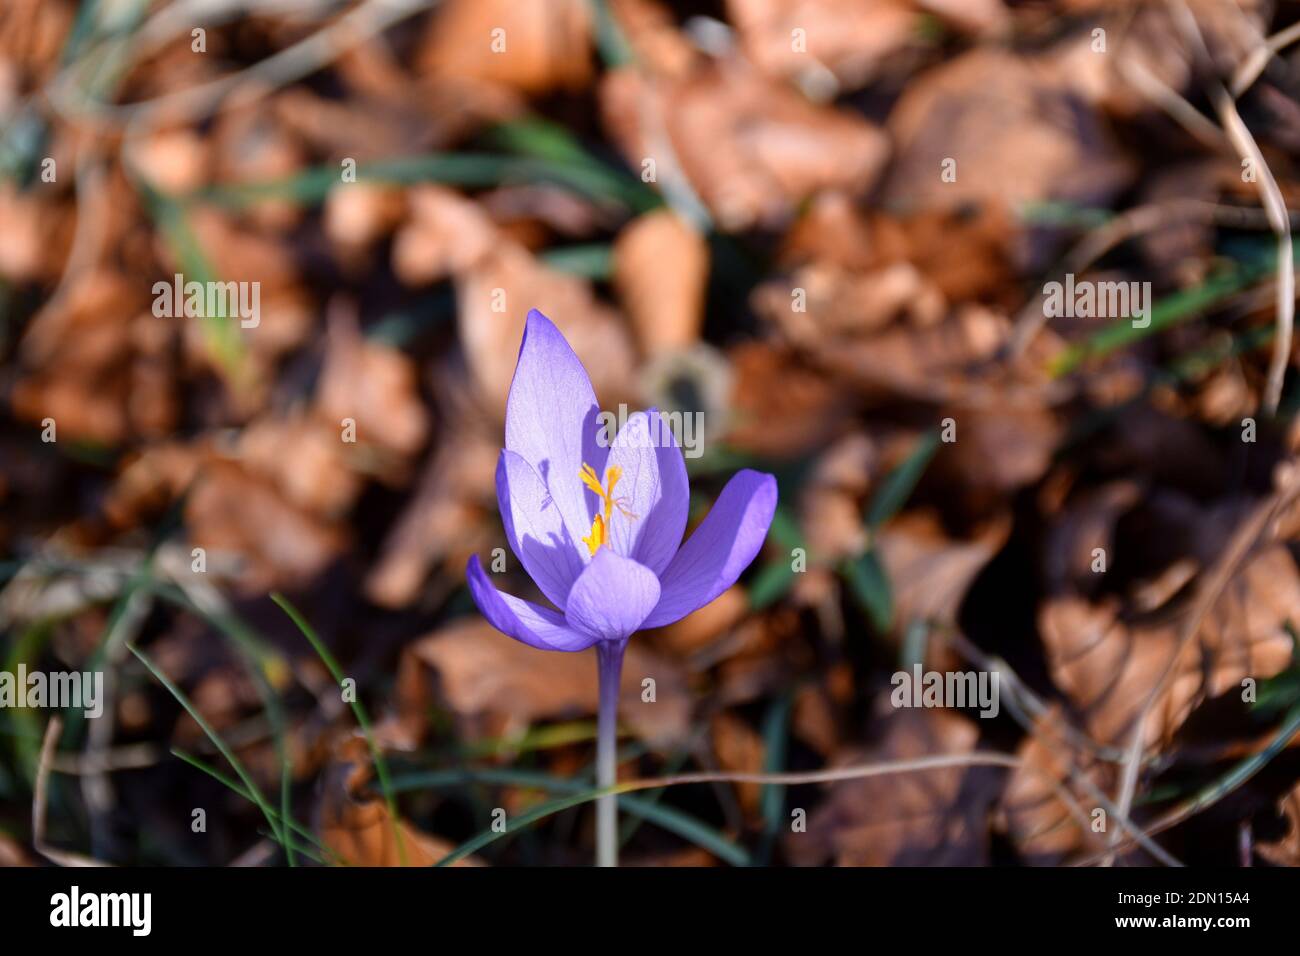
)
(39, 805)
(1129, 225)
(1248, 150)
(1254, 64)
(1256, 528)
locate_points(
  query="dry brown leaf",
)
(251, 144)
(287, 313)
(1016, 133)
(827, 46)
(933, 363)
(1002, 445)
(280, 546)
(661, 267)
(1150, 44)
(363, 128)
(305, 460)
(1285, 851)
(537, 213)
(1107, 664)
(1088, 523)
(446, 518)
(750, 148)
(739, 749)
(491, 337)
(534, 46)
(99, 379)
(652, 34)
(445, 234)
(1044, 830)
(497, 282)
(151, 480)
(930, 573)
(701, 628)
(358, 214)
(831, 514)
(788, 421)
(359, 829)
(37, 236)
(813, 720)
(481, 674)
(830, 502)
(32, 37)
(923, 818)
(373, 385)
(821, 302)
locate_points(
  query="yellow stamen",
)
(600, 525)
(599, 535)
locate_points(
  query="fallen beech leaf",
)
(534, 46)
(652, 33)
(1145, 48)
(828, 46)
(933, 363)
(791, 420)
(1079, 529)
(151, 480)
(1285, 851)
(480, 673)
(497, 282)
(446, 234)
(739, 749)
(359, 829)
(1002, 446)
(373, 385)
(752, 149)
(359, 214)
(837, 304)
(305, 459)
(1043, 828)
(813, 720)
(444, 521)
(930, 573)
(36, 237)
(1107, 665)
(922, 818)
(98, 380)
(831, 514)
(280, 546)
(491, 337)
(661, 266)
(701, 628)
(1015, 133)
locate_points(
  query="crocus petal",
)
(551, 422)
(535, 528)
(524, 621)
(724, 544)
(652, 493)
(611, 597)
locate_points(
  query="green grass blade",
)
(235, 787)
(667, 818)
(358, 709)
(902, 481)
(212, 735)
(869, 583)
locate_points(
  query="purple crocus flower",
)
(598, 524)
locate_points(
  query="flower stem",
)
(609, 664)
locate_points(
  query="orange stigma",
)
(600, 524)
